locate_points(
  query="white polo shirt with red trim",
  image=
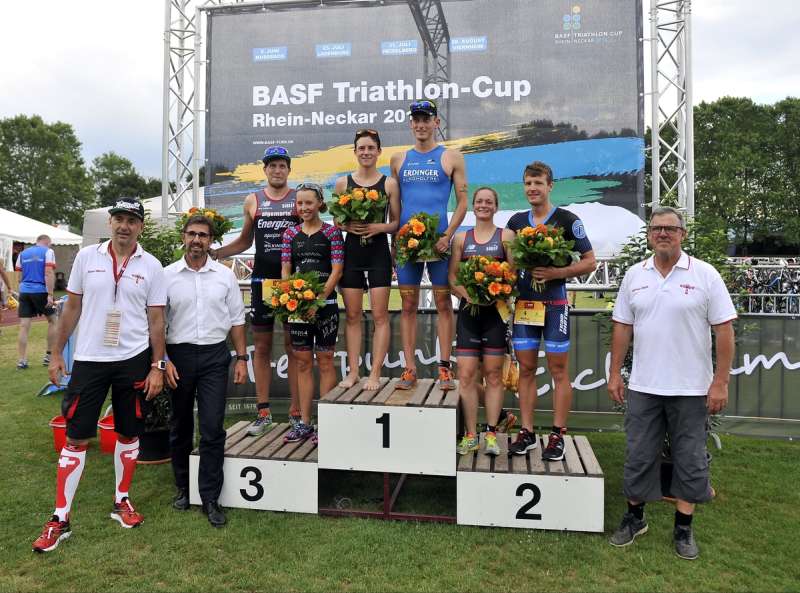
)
(672, 318)
(140, 286)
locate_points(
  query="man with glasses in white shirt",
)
(204, 303)
(670, 302)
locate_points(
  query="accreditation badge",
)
(112, 328)
(268, 287)
(529, 313)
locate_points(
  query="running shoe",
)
(506, 425)
(54, 533)
(295, 419)
(526, 441)
(554, 451)
(685, 546)
(446, 380)
(300, 432)
(46, 360)
(408, 380)
(260, 425)
(126, 515)
(469, 443)
(627, 531)
(22, 365)
(492, 448)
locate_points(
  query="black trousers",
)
(203, 372)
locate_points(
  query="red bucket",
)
(108, 438)
(59, 426)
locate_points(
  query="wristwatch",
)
(161, 365)
(244, 357)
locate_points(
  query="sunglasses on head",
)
(425, 105)
(315, 187)
(275, 151)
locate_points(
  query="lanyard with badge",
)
(113, 324)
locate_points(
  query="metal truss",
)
(180, 139)
(672, 122)
(432, 26)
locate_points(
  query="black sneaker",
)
(554, 451)
(526, 441)
(685, 546)
(628, 530)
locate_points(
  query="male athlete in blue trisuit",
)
(426, 174)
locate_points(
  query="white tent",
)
(15, 227)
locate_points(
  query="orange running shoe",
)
(126, 515)
(53, 533)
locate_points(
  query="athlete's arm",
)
(506, 236)
(458, 175)
(4, 275)
(333, 280)
(50, 283)
(393, 195)
(245, 238)
(66, 325)
(452, 269)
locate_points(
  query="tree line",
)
(44, 176)
(747, 169)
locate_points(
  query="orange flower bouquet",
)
(296, 299)
(359, 205)
(542, 246)
(417, 238)
(487, 280)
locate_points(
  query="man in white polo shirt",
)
(670, 303)
(204, 303)
(116, 295)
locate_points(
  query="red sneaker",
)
(54, 531)
(126, 515)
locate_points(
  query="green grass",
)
(748, 536)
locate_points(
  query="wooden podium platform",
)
(407, 433)
(389, 430)
(526, 491)
(263, 472)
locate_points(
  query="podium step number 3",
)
(263, 472)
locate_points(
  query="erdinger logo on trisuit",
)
(423, 175)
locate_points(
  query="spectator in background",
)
(36, 267)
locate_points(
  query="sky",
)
(98, 65)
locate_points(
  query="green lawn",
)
(748, 535)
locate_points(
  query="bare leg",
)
(305, 382)
(327, 372)
(52, 331)
(22, 341)
(353, 306)
(467, 389)
(291, 371)
(262, 356)
(379, 303)
(444, 321)
(408, 323)
(492, 373)
(528, 361)
(558, 365)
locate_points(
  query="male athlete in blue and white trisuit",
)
(426, 174)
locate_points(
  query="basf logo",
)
(573, 30)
